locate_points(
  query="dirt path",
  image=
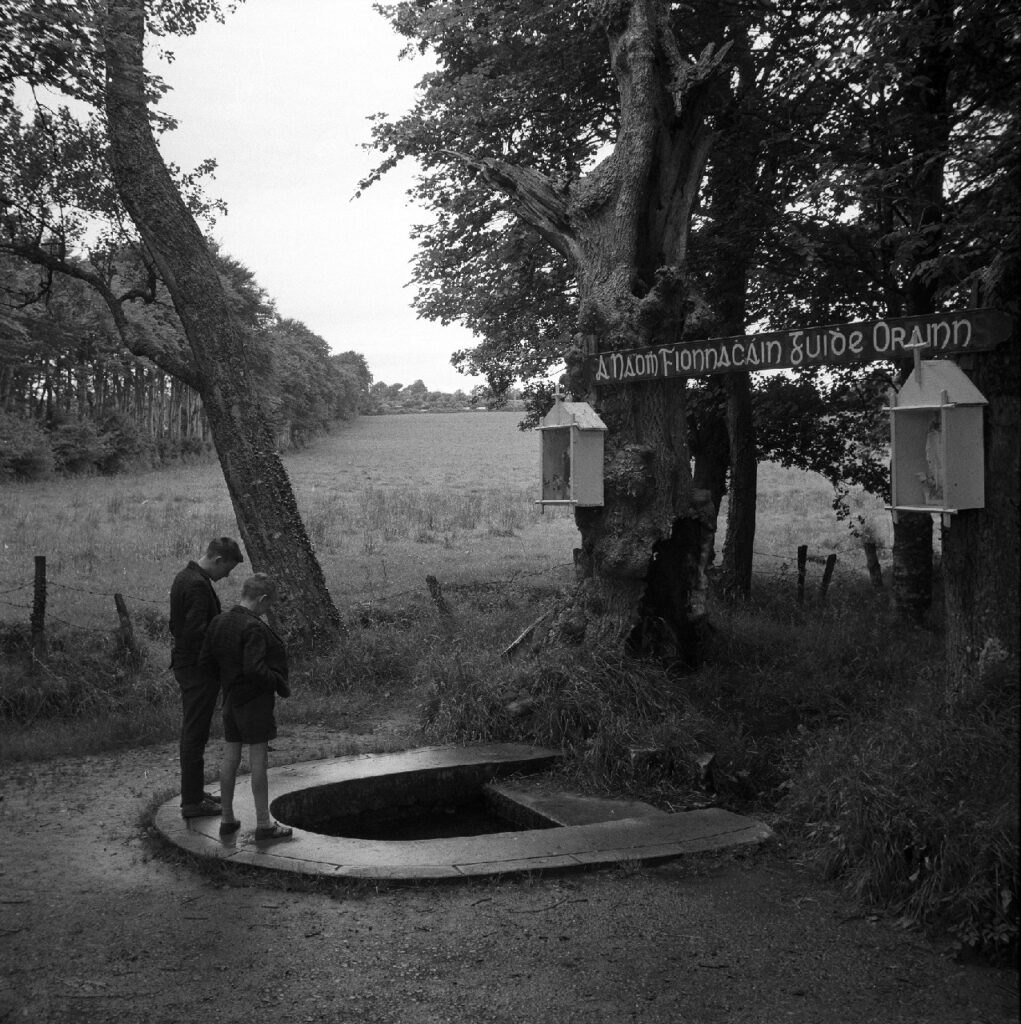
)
(94, 928)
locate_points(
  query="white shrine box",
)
(571, 455)
(937, 455)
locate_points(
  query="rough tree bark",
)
(624, 228)
(264, 504)
(738, 548)
(981, 556)
(732, 236)
(926, 98)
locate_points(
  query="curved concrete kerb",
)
(577, 832)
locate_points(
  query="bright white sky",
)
(279, 96)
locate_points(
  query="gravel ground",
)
(99, 922)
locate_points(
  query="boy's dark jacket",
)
(193, 605)
(245, 655)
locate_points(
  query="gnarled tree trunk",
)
(982, 547)
(624, 228)
(264, 504)
(925, 95)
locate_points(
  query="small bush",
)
(125, 443)
(194, 446)
(78, 446)
(25, 452)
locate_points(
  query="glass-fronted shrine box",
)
(937, 458)
(571, 455)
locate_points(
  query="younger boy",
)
(249, 660)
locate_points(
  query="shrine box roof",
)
(938, 382)
(572, 414)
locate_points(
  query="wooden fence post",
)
(827, 575)
(38, 619)
(436, 593)
(872, 561)
(802, 559)
(126, 630)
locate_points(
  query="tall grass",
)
(916, 811)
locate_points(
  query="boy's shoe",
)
(228, 828)
(206, 809)
(273, 831)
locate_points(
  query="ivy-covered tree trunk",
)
(624, 228)
(981, 556)
(927, 103)
(729, 241)
(911, 570)
(264, 504)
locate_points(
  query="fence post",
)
(126, 629)
(827, 575)
(436, 593)
(802, 559)
(872, 561)
(38, 619)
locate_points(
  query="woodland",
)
(74, 400)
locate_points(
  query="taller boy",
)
(193, 605)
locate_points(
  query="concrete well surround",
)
(591, 832)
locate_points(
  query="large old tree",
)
(623, 228)
(56, 45)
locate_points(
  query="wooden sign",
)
(936, 334)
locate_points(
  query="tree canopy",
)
(825, 104)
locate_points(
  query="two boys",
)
(235, 652)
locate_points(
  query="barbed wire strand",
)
(360, 605)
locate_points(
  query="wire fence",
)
(31, 586)
(786, 567)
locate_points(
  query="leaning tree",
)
(94, 52)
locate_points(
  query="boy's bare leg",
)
(258, 754)
(228, 778)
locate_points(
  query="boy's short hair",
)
(226, 548)
(258, 585)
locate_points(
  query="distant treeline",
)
(383, 398)
(74, 400)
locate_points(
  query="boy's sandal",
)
(228, 828)
(273, 831)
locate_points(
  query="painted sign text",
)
(934, 335)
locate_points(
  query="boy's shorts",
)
(252, 722)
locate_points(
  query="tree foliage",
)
(64, 367)
(838, 117)
(71, 249)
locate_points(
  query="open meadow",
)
(386, 500)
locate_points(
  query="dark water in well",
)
(438, 821)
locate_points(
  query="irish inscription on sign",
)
(938, 334)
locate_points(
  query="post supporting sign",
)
(937, 334)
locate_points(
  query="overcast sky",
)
(279, 96)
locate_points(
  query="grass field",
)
(386, 501)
